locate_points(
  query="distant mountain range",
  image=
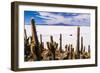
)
(60, 24)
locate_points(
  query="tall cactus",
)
(52, 46)
(41, 44)
(60, 43)
(78, 42)
(81, 44)
(35, 39)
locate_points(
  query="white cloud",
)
(81, 19)
(54, 18)
(83, 16)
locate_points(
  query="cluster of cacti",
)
(35, 51)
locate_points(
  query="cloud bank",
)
(62, 18)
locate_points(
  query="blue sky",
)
(57, 18)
